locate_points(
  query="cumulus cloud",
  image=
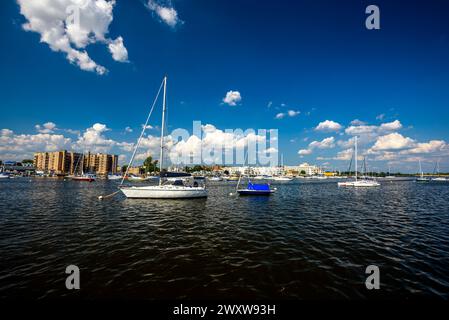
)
(232, 98)
(323, 144)
(118, 50)
(293, 113)
(69, 26)
(166, 13)
(428, 147)
(360, 129)
(93, 139)
(357, 122)
(328, 126)
(393, 141)
(279, 116)
(290, 113)
(20, 146)
(303, 152)
(326, 143)
(391, 126)
(47, 127)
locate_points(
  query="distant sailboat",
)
(88, 177)
(421, 178)
(438, 178)
(254, 189)
(358, 182)
(177, 189)
(281, 178)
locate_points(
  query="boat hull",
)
(248, 192)
(156, 192)
(359, 184)
(84, 179)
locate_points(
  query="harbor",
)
(309, 240)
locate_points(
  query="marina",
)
(310, 239)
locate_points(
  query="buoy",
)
(100, 197)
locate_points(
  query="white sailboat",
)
(421, 176)
(358, 182)
(281, 178)
(83, 176)
(438, 178)
(178, 189)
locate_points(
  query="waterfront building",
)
(63, 162)
(306, 168)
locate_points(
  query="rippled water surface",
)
(308, 240)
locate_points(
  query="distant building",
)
(309, 169)
(275, 171)
(136, 171)
(63, 162)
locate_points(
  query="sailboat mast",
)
(161, 159)
(356, 167)
(420, 169)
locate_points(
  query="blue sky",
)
(315, 57)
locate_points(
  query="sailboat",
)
(173, 189)
(281, 178)
(358, 182)
(3, 175)
(421, 178)
(254, 189)
(83, 176)
(390, 176)
(438, 178)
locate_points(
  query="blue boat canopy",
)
(254, 186)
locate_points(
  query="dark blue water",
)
(308, 240)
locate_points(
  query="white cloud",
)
(372, 130)
(20, 146)
(328, 126)
(304, 152)
(380, 116)
(391, 126)
(293, 113)
(427, 147)
(344, 154)
(128, 129)
(118, 50)
(232, 98)
(326, 143)
(357, 122)
(93, 140)
(47, 127)
(280, 115)
(393, 141)
(361, 129)
(68, 26)
(6, 132)
(167, 14)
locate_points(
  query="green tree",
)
(27, 161)
(150, 165)
(124, 167)
(303, 172)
